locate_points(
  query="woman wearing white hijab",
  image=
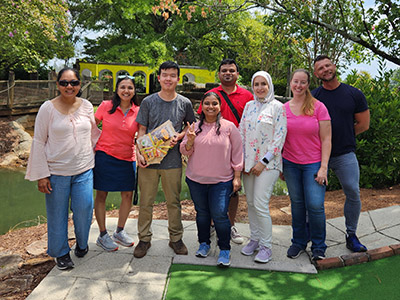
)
(263, 131)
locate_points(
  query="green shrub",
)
(378, 149)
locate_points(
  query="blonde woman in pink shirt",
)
(213, 173)
(61, 160)
(305, 165)
(115, 160)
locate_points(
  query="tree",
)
(376, 28)
(130, 32)
(33, 32)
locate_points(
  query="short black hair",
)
(228, 61)
(168, 65)
(68, 69)
(321, 57)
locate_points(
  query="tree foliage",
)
(130, 32)
(376, 28)
(33, 32)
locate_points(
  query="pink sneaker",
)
(250, 248)
(263, 255)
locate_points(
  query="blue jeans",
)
(80, 189)
(348, 172)
(211, 201)
(307, 198)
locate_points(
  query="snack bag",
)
(155, 145)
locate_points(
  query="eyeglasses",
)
(72, 83)
(126, 76)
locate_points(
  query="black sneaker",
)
(318, 254)
(80, 252)
(353, 244)
(64, 262)
(294, 251)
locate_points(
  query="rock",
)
(287, 210)
(17, 284)
(9, 263)
(9, 159)
(20, 148)
(35, 261)
(27, 121)
(37, 247)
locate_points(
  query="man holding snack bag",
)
(160, 157)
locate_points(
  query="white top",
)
(62, 144)
(263, 129)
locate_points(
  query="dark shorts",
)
(112, 174)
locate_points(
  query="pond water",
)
(20, 201)
(22, 205)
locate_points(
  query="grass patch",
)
(373, 280)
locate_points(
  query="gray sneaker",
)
(122, 238)
(106, 243)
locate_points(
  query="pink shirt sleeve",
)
(237, 149)
(322, 112)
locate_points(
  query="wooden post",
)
(11, 84)
(52, 85)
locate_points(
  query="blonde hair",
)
(308, 106)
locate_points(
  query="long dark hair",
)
(116, 100)
(203, 116)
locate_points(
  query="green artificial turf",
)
(374, 280)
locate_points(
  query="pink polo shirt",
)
(118, 133)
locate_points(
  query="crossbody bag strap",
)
(228, 101)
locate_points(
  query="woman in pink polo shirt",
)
(115, 152)
(213, 172)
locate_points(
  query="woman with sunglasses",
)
(115, 160)
(61, 160)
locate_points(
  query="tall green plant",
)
(378, 149)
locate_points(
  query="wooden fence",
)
(18, 97)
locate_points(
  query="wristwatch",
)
(265, 160)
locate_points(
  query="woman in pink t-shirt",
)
(305, 165)
(115, 160)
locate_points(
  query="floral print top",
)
(263, 129)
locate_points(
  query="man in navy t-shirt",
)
(350, 116)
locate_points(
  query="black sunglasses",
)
(72, 83)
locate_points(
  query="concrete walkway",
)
(118, 275)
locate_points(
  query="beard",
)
(330, 78)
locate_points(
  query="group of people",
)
(239, 136)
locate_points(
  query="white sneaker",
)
(106, 243)
(235, 236)
(122, 238)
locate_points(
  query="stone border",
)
(357, 258)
